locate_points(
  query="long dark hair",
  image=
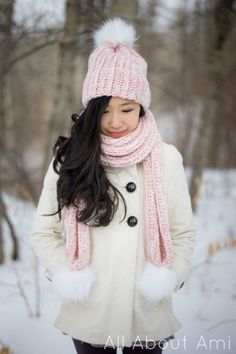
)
(81, 175)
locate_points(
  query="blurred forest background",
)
(190, 50)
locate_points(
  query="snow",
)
(205, 306)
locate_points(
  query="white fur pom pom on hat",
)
(115, 31)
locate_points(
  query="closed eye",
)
(125, 111)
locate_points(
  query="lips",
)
(117, 133)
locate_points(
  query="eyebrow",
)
(124, 104)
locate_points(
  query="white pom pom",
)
(115, 31)
(73, 285)
(156, 282)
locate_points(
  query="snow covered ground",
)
(205, 306)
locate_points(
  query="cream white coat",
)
(115, 314)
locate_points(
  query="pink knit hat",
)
(114, 67)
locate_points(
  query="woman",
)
(114, 224)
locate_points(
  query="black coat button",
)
(132, 221)
(131, 186)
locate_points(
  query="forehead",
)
(118, 101)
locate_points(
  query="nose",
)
(116, 122)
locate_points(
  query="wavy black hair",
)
(81, 174)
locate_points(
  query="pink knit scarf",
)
(142, 144)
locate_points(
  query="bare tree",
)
(6, 15)
(76, 24)
(220, 21)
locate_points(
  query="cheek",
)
(134, 121)
(103, 123)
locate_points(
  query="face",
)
(120, 117)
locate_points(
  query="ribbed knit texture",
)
(116, 70)
(142, 144)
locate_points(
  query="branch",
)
(28, 53)
(19, 172)
(4, 213)
(60, 39)
(22, 292)
(220, 323)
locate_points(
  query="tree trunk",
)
(64, 98)
(217, 31)
(6, 15)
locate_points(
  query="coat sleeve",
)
(180, 214)
(46, 236)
